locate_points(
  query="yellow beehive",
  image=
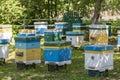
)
(98, 34)
(5, 28)
(28, 54)
(98, 38)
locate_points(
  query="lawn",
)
(75, 71)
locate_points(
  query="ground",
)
(74, 71)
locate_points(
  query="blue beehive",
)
(62, 25)
(40, 27)
(57, 52)
(27, 42)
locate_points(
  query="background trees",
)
(13, 11)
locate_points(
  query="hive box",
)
(4, 51)
(76, 38)
(99, 57)
(57, 53)
(98, 34)
(27, 42)
(40, 27)
(62, 25)
(27, 49)
(6, 32)
(53, 35)
(28, 56)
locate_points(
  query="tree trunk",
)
(97, 8)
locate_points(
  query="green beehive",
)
(49, 35)
(72, 17)
(53, 35)
(57, 34)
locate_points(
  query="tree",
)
(10, 11)
(97, 9)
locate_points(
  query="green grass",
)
(75, 71)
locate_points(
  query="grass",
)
(75, 71)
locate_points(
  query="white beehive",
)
(6, 32)
(76, 38)
(99, 57)
(98, 34)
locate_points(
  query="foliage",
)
(10, 11)
(15, 30)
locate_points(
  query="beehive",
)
(99, 57)
(6, 32)
(27, 32)
(98, 34)
(53, 35)
(76, 38)
(57, 52)
(40, 27)
(27, 49)
(62, 25)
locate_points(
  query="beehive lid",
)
(56, 23)
(58, 43)
(30, 38)
(76, 24)
(98, 26)
(40, 23)
(27, 31)
(99, 47)
(74, 33)
(48, 30)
